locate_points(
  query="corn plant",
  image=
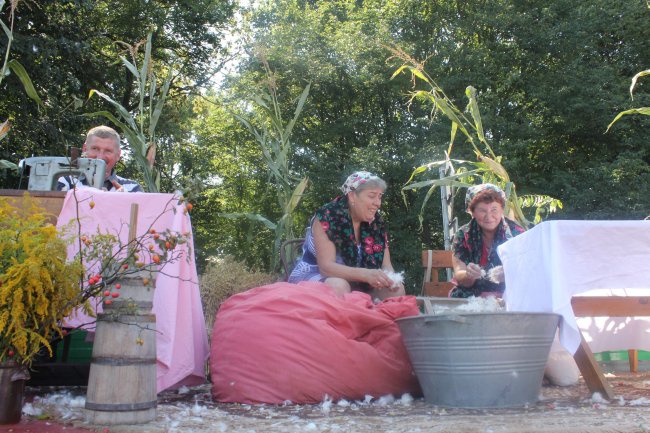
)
(274, 138)
(487, 168)
(139, 128)
(18, 69)
(643, 110)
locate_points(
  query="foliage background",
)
(550, 75)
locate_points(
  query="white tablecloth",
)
(181, 339)
(555, 260)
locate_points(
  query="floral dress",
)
(335, 219)
(469, 248)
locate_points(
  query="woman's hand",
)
(472, 273)
(377, 279)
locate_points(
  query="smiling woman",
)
(477, 267)
(346, 245)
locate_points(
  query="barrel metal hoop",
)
(124, 407)
(104, 360)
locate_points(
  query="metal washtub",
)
(479, 360)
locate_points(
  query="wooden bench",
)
(614, 306)
(434, 262)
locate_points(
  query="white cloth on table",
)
(182, 341)
(555, 260)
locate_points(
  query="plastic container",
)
(479, 360)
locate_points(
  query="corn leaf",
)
(21, 73)
(495, 167)
(635, 78)
(250, 216)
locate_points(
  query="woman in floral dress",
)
(346, 245)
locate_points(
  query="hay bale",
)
(223, 278)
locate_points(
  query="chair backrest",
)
(433, 262)
(290, 251)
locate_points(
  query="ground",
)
(192, 410)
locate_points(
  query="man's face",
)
(103, 148)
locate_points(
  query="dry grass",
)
(224, 278)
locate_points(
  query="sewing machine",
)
(44, 171)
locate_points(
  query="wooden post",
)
(133, 225)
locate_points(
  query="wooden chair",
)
(433, 262)
(290, 250)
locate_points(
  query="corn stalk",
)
(274, 138)
(487, 168)
(139, 128)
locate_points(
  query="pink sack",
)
(300, 342)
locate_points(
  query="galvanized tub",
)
(479, 360)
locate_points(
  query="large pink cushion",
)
(300, 342)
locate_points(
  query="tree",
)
(72, 46)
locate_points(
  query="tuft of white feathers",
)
(397, 277)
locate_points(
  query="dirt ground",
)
(192, 410)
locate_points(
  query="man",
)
(102, 142)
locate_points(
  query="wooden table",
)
(555, 260)
(51, 201)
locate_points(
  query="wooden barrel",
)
(122, 379)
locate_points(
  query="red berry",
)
(118, 286)
(115, 294)
(11, 353)
(108, 302)
(107, 293)
(125, 266)
(152, 231)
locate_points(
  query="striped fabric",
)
(65, 183)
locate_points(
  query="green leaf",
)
(8, 33)
(495, 168)
(644, 110)
(398, 71)
(21, 73)
(123, 112)
(155, 116)
(296, 114)
(7, 165)
(250, 216)
(131, 67)
(472, 106)
(418, 74)
(296, 195)
(635, 78)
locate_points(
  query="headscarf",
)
(473, 191)
(355, 180)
